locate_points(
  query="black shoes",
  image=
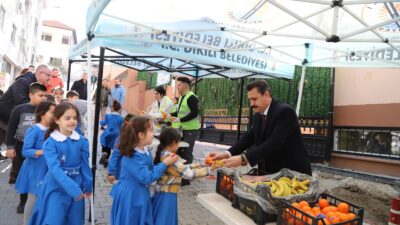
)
(185, 182)
(21, 207)
(103, 160)
(12, 180)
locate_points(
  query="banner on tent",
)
(198, 47)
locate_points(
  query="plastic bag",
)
(262, 194)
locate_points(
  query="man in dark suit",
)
(80, 86)
(275, 136)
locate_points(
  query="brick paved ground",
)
(190, 211)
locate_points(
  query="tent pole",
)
(89, 128)
(69, 73)
(239, 122)
(195, 86)
(303, 73)
(97, 113)
(301, 85)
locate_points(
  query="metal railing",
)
(376, 142)
(223, 130)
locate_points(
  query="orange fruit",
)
(328, 209)
(303, 203)
(351, 216)
(343, 207)
(316, 209)
(330, 214)
(323, 203)
(209, 161)
(325, 220)
(306, 208)
(296, 205)
(343, 217)
(334, 219)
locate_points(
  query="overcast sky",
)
(71, 13)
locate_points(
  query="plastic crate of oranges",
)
(326, 210)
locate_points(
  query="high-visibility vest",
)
(184, 110)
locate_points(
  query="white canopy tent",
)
(263, 37)
(258, 36)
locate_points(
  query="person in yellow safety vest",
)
(162, 104)
(187, 115)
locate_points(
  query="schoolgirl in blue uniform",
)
(131, 196)
(34, 168)
(114, 122)
(114, 163)
(69, 177)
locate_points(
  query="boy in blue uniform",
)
(22, 118)
(69, 177)
(114, 122)
(34, 168)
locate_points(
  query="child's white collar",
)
(41, 127)
(142, 151)
(56, 135)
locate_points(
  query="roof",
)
(57, 24)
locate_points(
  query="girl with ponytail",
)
(131, 195)
(69, 177)
(165, 199)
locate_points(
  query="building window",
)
(371, 142)
(13, 33)
(46, 37)
(65, 40)
(2, 14)
(55, 61)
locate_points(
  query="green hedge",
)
(150, 78)
(224, 93)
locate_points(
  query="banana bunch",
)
(286, 187)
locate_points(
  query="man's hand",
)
(174, 119)
(10, 153)
(233, 161)
(218, 155)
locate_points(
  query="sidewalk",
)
(190, 211)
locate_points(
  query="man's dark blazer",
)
(278, 145)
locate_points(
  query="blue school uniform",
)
(132, 201)
(114, 122)
(114, 163)
(33, 170)
(69, 176)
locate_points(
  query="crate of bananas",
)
(269, 190)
